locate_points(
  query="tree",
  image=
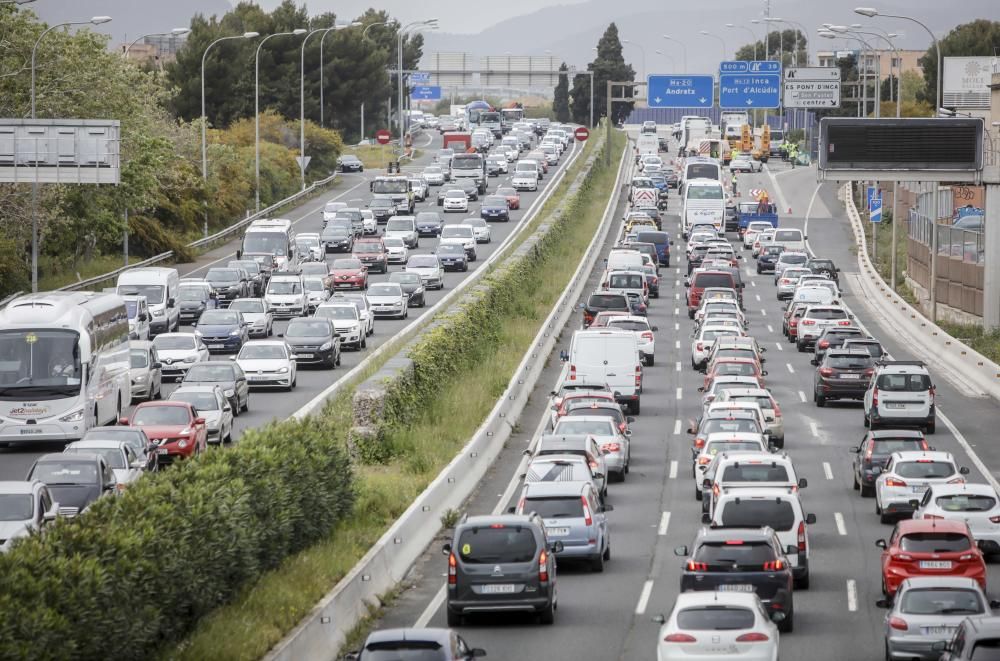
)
(560, 104)
(980, 37)
(791, 45)
(608, 65)
(850, 95)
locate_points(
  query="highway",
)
(608, 616)
(267, 405)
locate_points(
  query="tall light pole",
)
(673, 65)
(204, 118)
(706, 33)
(96, 20)
(321, 62)
(781, 47)
(302, 101)
(641, 50)
(176, 32)
(871, 12)
(799, 29)
(429, 23)
(256, 109)
(684, 50)
(753, 35)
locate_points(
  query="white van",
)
(814, 295)
(138, 317)
(703, 200)
(607, 356)
(160, 287)
(791, 239)
(624, 260)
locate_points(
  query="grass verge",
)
(259, 617)
(983, 341)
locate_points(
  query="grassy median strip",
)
(263, 613)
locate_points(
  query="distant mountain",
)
(130, 18)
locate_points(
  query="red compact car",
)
(174, 428)
(513, 197)
(349, 274)
(371, 253)
(578, 397)
(930, 547)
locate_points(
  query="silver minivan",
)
(582, 445)
(574, 515)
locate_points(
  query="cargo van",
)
(624, 260)
(608, 356)
(160, 287)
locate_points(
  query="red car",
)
(349, 273)
(580, 396)
(371, 253)
(601, 320)
(930, 547)
(513, 197)
(174, 428)
(731, 366)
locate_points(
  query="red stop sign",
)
(581, 133)
(383, 136)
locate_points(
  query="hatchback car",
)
(930, 548)
(178, 352)
(175, 428)
(455, 200)
(429, 223)
(349, 274)
(25, 507)
(268, 363)
(314, 341)
(702, 623)
(260, 320)
(145, 370)
(213, 406)
(874, 451)
(495, 207)
(612, 440)
(285, 296)
(412, 286)
(453, 257)
(907, 475)
(842, 375)
(574, 515)
(976, 638)
(346, 321)
(222, 331)
(501, 563)
(388, 300)
(480, 230)
(227, 375)
(74, 481)
(422, 644)
(834, 338)
(901, 393)
(372, 254)
(396, 250)
(350, 163)
(975, 504)
(120, 457)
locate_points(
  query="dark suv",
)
(876, 448)
(501, 563)
(742, 560)
(834, 338)
(842, 375)
(768, 256)
(603, 302)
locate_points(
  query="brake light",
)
(931, 394)
(680, 638)
(452, 569)
(903, 557)
(777, 409)
(715, 493)
(786, 281)
(543, 566)
(520, 505)
(610, 447)
(647, 335)
(587, 518)
(802, 537)
(898, 623)
(995, 519)
(704, 460)
(844, 322)
(752, 638)
(697, 566)
(824, 344)
(699, 347)
(894, 482)
(793, 323)
(826, 371)
(869, 371)
(638, 375)
(774, 565)
(572, 372)
(875, 398)
(808, 322)
(966, 557)
(699, 442)
(593, 463)
(869, 451)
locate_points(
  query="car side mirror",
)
(914, 503)
(598, 476)
(171, 302)
(994, 603)
(123, 421)
(810, 519)
(964, 470)
(884, 603)
(157, 366)
(763, 373)
(791, 549)
(446, 549)
(143, 317)
(630, 419)
(854, 449)
(556, 547)
(803, 483)
(511, 509)
(109, 486)
(881, 544)
(232, 358)
(681, 551)
(352, 656)
(199, 421)
(658, 619)
(814, 362)
(692, 430)
(655, 328)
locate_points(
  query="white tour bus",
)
(271, 236)
(703, 201)
(64, 365)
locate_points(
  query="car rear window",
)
(925, 469)
(627, 324)
(734, 553)
(715, 618)
(713, 280)
(850, 362)
(614, 301)
(904, 382)
(734, 425)
(747, 513)
(405, 650)
(557, 471)
(736, 369)
(794, 259)
(883, 447)
(653, 237)
(941, 601)
(966, 503)
(714, 448)
(573, 427)
(498, 543)
(623, 281)
(828, 313)
(934, 542)
(744, 472)
(568, 507)
(788, 235)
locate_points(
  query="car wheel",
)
(338, 359)
(788, 624)
(866, 491)
(802, 583)
(597, 564)
(607, 553)
(930, 428)
(650, 360)
(229, 437)
(364, 342)
(820, 401)
(548, 615)
(634, 405)
(235, 406)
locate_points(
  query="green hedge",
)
(139, 570)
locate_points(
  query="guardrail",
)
(388, 561)
(232, 229)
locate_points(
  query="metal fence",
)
(208, 240)
(967, 245)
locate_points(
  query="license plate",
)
(736, 587)
(162, 451)
(216, 346)
(303, 355)
(938, 631)
(557, 532)
(31, 431)
(262, 377)
(894, 405)
(499, 588)
(850, 376)
(935, 564)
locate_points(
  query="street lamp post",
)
(256, 109)
(715, 36)
(302, 101)
(684, 50)
(673, 65)
(753, 35)
(429, 23)
(642, 51)
(321, 40)
(871, 12)
(96, 20)
(176, 32)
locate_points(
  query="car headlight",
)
(182, 444)
(75, 416)
(282, 370)
(158, 313)
(234, 333)
(190, 359)
(397, 304)
(139, 378)
(326, 346)
(229, 393)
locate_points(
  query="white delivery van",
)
(793, 240)
(160, 287)
(648, 143)
(814, 296)
(703, 201)
(608, 356)
(624, 260)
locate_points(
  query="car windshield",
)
(399, 225)
(564, 507)
(222, 275)
(138, 358)
(392, 242)
(219, 318)
(826, 313)
(789, 235)
(153, 293)
(713, 425)
(850, 362)
(568, 427)
(284, 287)
(927, 469)
(715, 618)
(64, 472)
(734, 553)
(263, 352)
(606, 301)
(456, 232)
(384, 289)
(209, 374)
(314, 268)
(507, 192)
(961, 502)
(15, 506)
(428, 217)
(405, 278)
(873, 348)
(308, 328)
(883, 447)
(161, 415)
(755, 472)
(713, 280)
(941, 601)
(450, 249)
(455, 194)
(332, 207)
(113, 457)
(625, 281)
(495, 201)
(174, 342)
(338, 312)
(248, 305)
(934, 542)
(904, 382)
(306, 242)
(497, 544)
(381, 203)
(203, 401)
(314, 284)
(346, 264)
(756, 512)
(715, 447)
(192, 294)
(408, 650)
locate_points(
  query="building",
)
(156, 49)
(885, 62)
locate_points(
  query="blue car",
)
(453, 257)
(662, 242)
(495, 207)
(223, 331)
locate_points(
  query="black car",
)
(742, 559)
(732, 218)
(74, 480)
(673, 179)
(429, 223)
(842, 375)
(495, 207)
(313, 341)
(227, 375)
(350, 163)
(453, 257)
(337, 238)
(422, 644)
(383, 209)
(696, 257)
(833, 338)
(826, 267)
(603, 302)
(876, 448)
(228, 283)
(412, 286)
(768, 256)
(652, 280)
(253, 269)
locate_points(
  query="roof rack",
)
(912, 363)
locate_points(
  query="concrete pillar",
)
(991, 239)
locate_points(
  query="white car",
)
(703, 340)
(818, 318)
(179, 351)
(419, 186)
(361, 302)
(368, 222)
(434, 175)
(456, 200)
(256, 314)
(396, 250)
(316, 291)
(388, 300)
(703, 623)
(462, 235)
(753, 229)
(480, 229)
(525, 176)
(744, 163)
(725, 441)
(429, 268)
(120, 457)
(285, 296)
(267, 363)
(346, 321)
(212, 405)
(644, 334)
(330, 210)
(976, 504)
(28, 507)
(908, 475)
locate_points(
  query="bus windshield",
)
(268, 243)
(39, 364)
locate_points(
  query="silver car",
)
(928, 610)
(146, 373)
(212, 405)
(428, 267)
(256, 314)
(789, 280)
(120, 456)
